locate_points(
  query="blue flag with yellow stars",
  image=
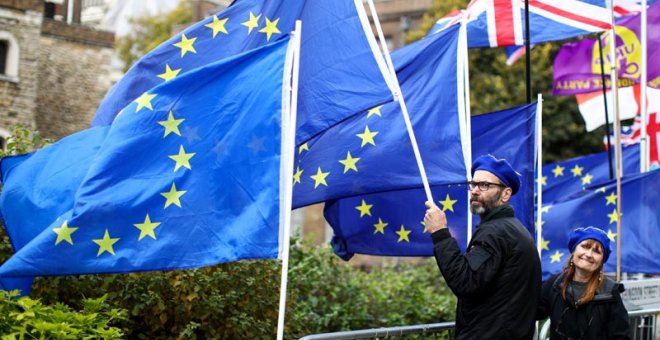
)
(391, 223)
(596, 207)
(188, 175)
(574, 175)
(339, 74)
(371, 151)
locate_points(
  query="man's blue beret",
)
(500, 168)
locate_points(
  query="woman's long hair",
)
(594, 281)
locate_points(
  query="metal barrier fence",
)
(643, 326)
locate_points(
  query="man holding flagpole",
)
(498, 279)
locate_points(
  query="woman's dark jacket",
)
(604, 317)
(497, 281)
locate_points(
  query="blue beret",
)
(500, 168)
(580, 234)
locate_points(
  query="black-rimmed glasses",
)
(484, 186)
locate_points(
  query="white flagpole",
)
(465, 122)
(398, 96)
(290, 102)
(644, 114)
(539, 166)
(617, 137)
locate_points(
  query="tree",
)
(495, 86)
(150, 31)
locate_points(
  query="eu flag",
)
(596, 207)
(574, 175)
(371, 151)
(339, 73)
(390, 223)
(187, 176)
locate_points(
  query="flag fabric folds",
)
(390, 223)
(371, 151)
(632, 135)
(578, 174)
(640, 223)
(494, 23)
(592, 105)
(339, 73)
(188, 175)
(577, 66)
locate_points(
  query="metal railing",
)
(643, 326)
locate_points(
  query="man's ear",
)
(506, 195)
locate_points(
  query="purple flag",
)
(577, 65)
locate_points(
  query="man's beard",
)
(486, 206)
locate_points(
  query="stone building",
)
(53, 73)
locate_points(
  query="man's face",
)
(482, 202)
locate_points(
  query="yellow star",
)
(558, 171)
(182, 159)
(367, 136)
(374, 111)
(147, 228)
(544, 244)
(64, 233)
(270, 29)
(169, 73)
(145, 101)
(364, 208)
(349, 163)
(611, 235)
(556, 257)
(536, 224)
(302, 148)
(380, 227)
(403, 234)
(296, 176)
(252, 23)
(171, 125)
(448, 204)
(218, 25)
(611, 199)
(173, 196)
(577, 170)
(543, 180)
(186, 45)
(586, 179)
(614, 216)
(105, 243)
(545, 209)
(319, 178)
(425, 229)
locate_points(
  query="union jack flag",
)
(632, 135)
(493, 23)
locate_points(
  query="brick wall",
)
(73, 78)
(18, 97)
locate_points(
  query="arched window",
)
(9, 53)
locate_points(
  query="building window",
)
(9, 54)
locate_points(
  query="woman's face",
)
(588, 256)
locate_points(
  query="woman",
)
(581, 302)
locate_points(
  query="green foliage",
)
(150, 31)
(23, 141)
(241, 299)
(495, 86)
(23, 317)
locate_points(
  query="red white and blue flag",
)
(493, 23)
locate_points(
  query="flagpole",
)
(539, 172)
(465, 123)
(614, 65)
(644, 149)
(528, 57)
(607, 116)
(398, 96)
(289, 138)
